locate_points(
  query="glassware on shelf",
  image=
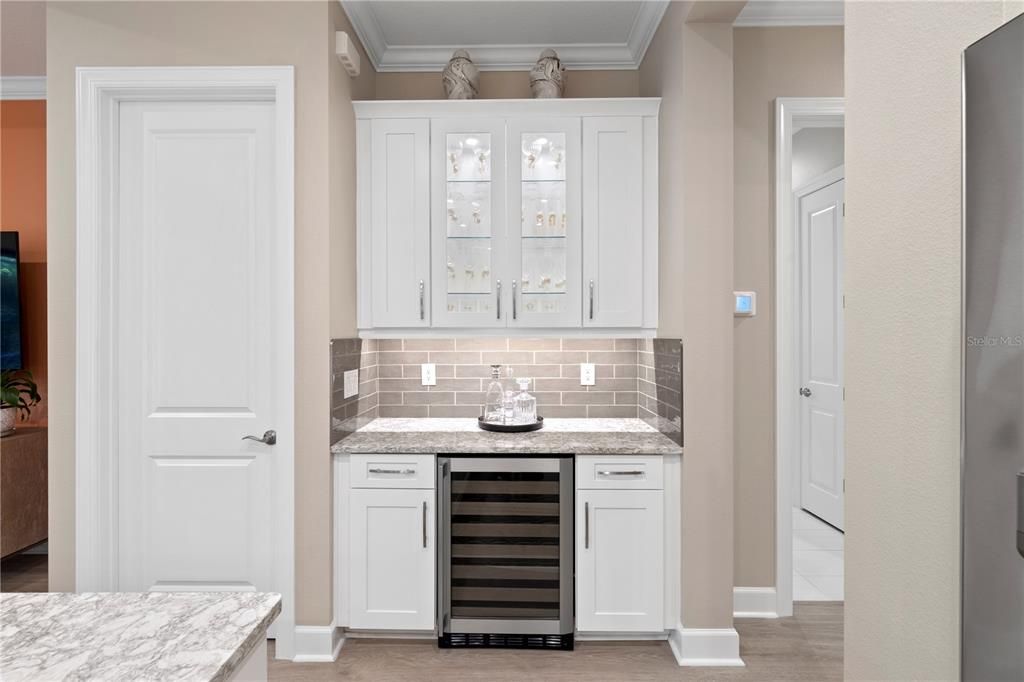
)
(494, 400)
(524, 405)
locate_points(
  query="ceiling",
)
(791, 13)
(420, 36)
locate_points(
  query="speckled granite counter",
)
(130, 635)
(462, 436)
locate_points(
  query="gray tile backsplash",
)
(635, 377)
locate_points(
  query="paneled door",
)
(400, 233)
(468, 222)
(393, 560)
(821, 352)
(620, 561)
(544, 248)
(203, 280)
(613, 221)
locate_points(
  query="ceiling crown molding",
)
(22, 87)
(432, 58)
(791, 13)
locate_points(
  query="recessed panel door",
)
(200, 284)
(821, 353)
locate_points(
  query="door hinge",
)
(844, 392)
(844, 209)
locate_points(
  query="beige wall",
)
(153, 33)
(509, 84)
(769, 63)
(690, 67)
(903, 334)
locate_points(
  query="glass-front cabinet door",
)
(544, 250)
(468, 222)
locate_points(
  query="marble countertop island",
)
(463, 436)
(117, 636)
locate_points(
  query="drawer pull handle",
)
(401, 472)
(620, 473)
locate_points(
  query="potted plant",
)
(18, 393)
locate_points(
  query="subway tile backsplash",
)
(635, 377)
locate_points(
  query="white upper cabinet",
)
(398, 223)
(467, 166)
(544, 251)
(508, 214)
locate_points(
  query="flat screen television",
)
(10, 303)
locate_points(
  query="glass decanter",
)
(524, 405)
(494, 400)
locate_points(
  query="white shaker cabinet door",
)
(613, 221)
(620, 561)
(392, 559)
(399, 222)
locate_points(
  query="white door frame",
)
(98, 92)
(791, 114)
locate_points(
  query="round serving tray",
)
(510, 428)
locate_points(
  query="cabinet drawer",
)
(619, 472)
(392, 471)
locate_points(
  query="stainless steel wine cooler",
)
(505, 552)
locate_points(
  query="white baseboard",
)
(754, 602)
(317, 643)
(706, 647)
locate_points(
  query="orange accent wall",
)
(23, 209)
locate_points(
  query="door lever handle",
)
(805, 392)
(269, 438)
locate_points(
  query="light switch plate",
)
(428, 374)
(351, 383)
(588, 375)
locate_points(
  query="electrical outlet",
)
(588, 375)
(428, 374)
(351, 383)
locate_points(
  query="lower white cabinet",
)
(620, 561)
(392, 559)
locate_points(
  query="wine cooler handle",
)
(586, 525)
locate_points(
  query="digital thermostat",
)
(746, 304)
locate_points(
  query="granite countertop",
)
(116, 636)
(461, 436)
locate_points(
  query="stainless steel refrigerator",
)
(993, 363)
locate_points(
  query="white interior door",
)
(202, 291)
(821, 352)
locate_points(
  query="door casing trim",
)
(791, 114)
(98, 92)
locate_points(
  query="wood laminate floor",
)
(24, 573)
(808, 646)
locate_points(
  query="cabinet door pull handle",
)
(499, 299)
(424, 525)
(591, 299)
(423, 314)
(514, 315)
(401, 472)
(620, 473)
(586, 525)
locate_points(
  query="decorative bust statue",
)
(461, 78)
(547, 77)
